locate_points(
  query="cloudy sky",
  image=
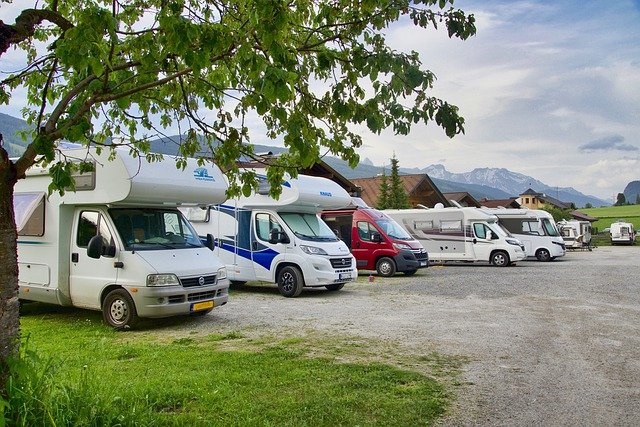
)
(549, 89)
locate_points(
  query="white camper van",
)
(622, 232)
(576, 234)
(281, 241)
(460, 234)
(535, 228)
(118, 243)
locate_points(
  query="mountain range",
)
(490, 183)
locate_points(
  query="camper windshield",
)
(393, 229)
(499, 229)
(549, 227)
(308, 226)
(154, 229)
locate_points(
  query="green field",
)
(608, 215)
(173, 373)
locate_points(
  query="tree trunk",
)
(9, 306)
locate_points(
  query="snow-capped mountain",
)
(510, 182)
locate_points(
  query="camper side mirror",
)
(376, 237)
(94, 247)
(277, 236)
(210, 243)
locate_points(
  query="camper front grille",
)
(189, 282)
(420, 256)
(341, 262)
(199, 296)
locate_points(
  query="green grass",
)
(608, 215)
(157, 376)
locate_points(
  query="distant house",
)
(419, 187)
(511, 203)
(534, 200)
(463, 198)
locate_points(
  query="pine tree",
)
(398, 197)
(383, 198)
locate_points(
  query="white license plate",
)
(423, 263)
(344, 276)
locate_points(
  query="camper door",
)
(482, 240)
(88, 276)
(269, 240)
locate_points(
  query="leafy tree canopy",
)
(99, 71)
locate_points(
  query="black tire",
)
(290, 282)
(386, 267)
(409, 272)
(500, 259)
(119, 310)
(335, 287)
(543, 255)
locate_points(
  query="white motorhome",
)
(460, 234)
(118, 243)
(576, 234)
(535, 228)
(281, 241)
(622, 232)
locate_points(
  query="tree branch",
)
(26, 24)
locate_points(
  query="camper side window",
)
(91, 224)
(264, 224)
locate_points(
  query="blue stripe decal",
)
(263, 258)
(30, 242)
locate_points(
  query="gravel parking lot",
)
(548, 343)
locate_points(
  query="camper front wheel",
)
(386, 267)
(119, 310)
(500, 259)
(290, 282)
(543, 255)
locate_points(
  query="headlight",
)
(162, 280)
(402, 246)
(512, 242)
(221, 274)
(312, 250)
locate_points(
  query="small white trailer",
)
(535, 228)
(118, 243)
(460, 234)
(281, 241)
(622, 233)
(576, 234)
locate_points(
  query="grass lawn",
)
(610, 214)
(153, 377)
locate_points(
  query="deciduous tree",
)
(308, 69)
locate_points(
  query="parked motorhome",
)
(576, 234)
(376, 241)
(460, 234)
(281, 241)
(622, 233)
(118, 243)
(535, 228)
